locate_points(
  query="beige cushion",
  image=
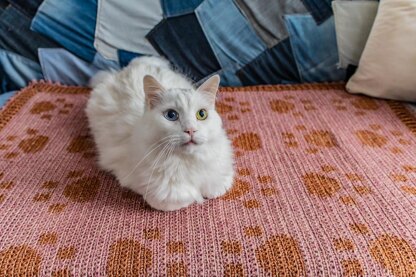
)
(387, 68)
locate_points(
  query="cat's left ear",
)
(152, 90)
(210, 88)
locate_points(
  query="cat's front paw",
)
(217, 190)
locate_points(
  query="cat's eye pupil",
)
(201, 114)
(171, 115)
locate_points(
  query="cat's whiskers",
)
(168, 148)
(158, 144)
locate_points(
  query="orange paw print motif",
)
(281, 255)
(128, 257)
(5, 187)
(26, 260)
(242, 187)
(377, 137)
(32, 143)
(329, 183)
(244, 142)
(47, 109)
(363, 104)
(389, 251)
(83, 145)
(78, 189)
(287, 105)
(360, 105)
(316, 140)
(227, 105)
(406, 178)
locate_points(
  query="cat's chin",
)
(189, 147)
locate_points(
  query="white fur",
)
(145, 151)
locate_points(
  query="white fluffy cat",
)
(161, 137)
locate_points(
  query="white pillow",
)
(353, 22)
(387, 67)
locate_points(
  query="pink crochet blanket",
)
(326, 186)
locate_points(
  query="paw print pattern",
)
(227, 105)
(280, 255)
(287, 106)
(242, 187)
(5, 187)
(377, 137)
(357, 105)
(31, 143)
(78, 189)
(83, 145)
(46, 109)
(405, 178)
(330, 183)
(26, 260)
(316, 140)
(244, 142)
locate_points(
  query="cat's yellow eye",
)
(202, 114)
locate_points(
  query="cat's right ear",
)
(152, 90)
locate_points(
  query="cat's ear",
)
(153, 90)
(210, 88)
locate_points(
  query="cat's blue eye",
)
(171, 115)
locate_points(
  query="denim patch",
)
(70, 23)
(320, 9)
(5, 97)
(125, 57)
(274, 66)
(315, 48)
(183, 42)
(16, 36)
(122, 24)
(176, 8)
(17, 71)
(267, 17)
(59, 65)
(28, 7)
(232, 38)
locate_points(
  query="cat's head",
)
(185, 117)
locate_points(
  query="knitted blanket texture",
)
(325, 186)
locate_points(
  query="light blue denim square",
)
(314, 48)
(59, 65)
(5, 97)
(229, 33)
(70, 23)
(17, 71)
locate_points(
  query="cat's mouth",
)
(190, 142)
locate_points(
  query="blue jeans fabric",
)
(59, 65)
(266, 17)
(232, 38)
(183, 42)
(176, 8)
(70, 23)
(315, 48)
(17, 71)
(28, 7)
(16, 36)
(125, 57)
(321, 10)
(274, 66)
(5, 97)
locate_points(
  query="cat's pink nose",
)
(190, 131)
